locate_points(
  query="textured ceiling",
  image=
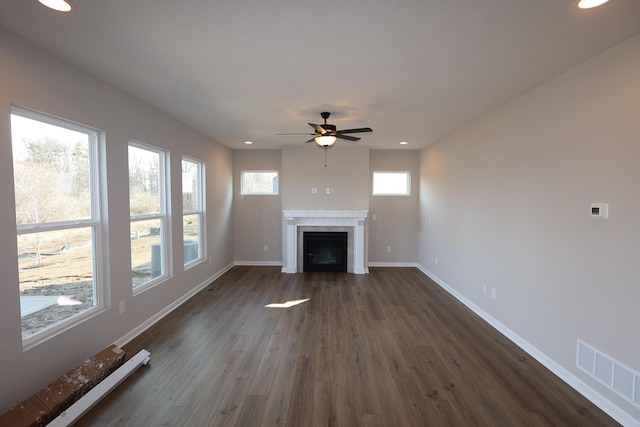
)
(238, 70)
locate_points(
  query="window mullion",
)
(143, 217)
(55, 226)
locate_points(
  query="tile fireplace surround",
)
(323, 220)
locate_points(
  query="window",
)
(391, 184)
(148, 210)
(58, 222)
(259, 182)
(192, 210)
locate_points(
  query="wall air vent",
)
(613, 374)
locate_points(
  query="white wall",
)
(32, 78)
(509, 200)
(257, 218)
(346, 175)
(396, 217)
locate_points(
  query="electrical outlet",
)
(389, 249)
(373, 217)
(436, 260)
(314, 190)
(266, 248)
(484, 289)
(328, 190)
(429, 220)
(493, 293)
(122, 307)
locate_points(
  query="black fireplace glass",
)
(325, 251)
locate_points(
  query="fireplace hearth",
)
(325, 251)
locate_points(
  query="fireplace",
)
(299, 222)
(325, 251)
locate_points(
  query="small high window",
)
(259, 182)
(391, 184)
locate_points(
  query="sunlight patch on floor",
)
(287, 304)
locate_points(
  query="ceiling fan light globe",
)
(59, 5)
(325, 140)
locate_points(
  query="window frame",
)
(163, 215)
(379, 173)
(265, 171)
(95, 222)
(199, 211)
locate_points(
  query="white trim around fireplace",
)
(292, 219)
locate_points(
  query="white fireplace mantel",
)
(322, 218)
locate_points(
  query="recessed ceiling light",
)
(588, 4)
(404, 143)
(59, 5)
(248, 142)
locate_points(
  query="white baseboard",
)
(168, 309)
(392, 264)
(596, 398)
(259, 263)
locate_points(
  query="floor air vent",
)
(609, 372)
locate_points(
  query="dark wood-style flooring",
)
(386, 349)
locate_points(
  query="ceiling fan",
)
(326, 134)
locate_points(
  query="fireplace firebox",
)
(325, 251)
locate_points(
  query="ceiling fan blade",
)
(358, 130)
(319, 129)
(311, 140)
(348, 138)
(306, 133)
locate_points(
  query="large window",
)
(192, 210)
(58, 223)
(259, 183)
(391, 184)
(148, 209)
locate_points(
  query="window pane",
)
(192, 207)
(56, 276)
(55, 183)
(191, 237)
(147, 260)
(144, 181)
(51, 172)
(391, 183)
(190, 186)
(259, 182)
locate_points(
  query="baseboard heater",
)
(96, 394)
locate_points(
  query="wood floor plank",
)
(390, 348)
(234, 398)
(281, 390)
(250, 414)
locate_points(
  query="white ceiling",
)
(238, 70)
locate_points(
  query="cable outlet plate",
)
(600, 210)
